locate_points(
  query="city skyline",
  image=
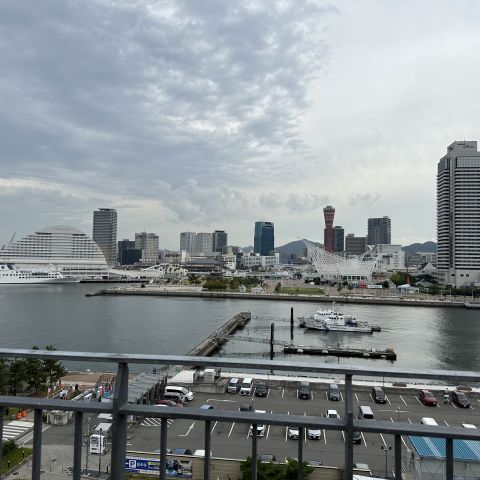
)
(164, 146)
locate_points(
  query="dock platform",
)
(385, 354)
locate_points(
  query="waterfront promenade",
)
(408, 300)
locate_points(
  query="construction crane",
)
(10, 242)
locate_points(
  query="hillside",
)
(427, 247)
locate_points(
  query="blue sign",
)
(174, 468)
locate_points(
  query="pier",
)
(386, 354)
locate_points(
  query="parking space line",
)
(437, 405)
(403, 400)
(356, 396)
(286, 429)
(446, 423)
(343, 435)
(297, 393)
(268, 393)
(312, 395)
(371, 396)
(388, 400)
(213, 428)
(418, 400)
(409, 420)
(472, 407)
(231, 430)
(283, 392)
(268, 431)
(383, 440)
(341, 396)
(326, 395)
(189, 430)
(453, 405)
(364, 441)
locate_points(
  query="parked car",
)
(245, 408)
(427, 398)
(207, 406)
(314, 433)
(261, 389)
(333, 392)
(181, 451)
(314, 463)
(459, 399)
(378, 395)
(304, 390)
(293, 432)
(357, 436)
(169, 403)
(260, 428)
(267, 458)
(332, 414)
(234, 385)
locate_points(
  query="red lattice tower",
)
(329, 214)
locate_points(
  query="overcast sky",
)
(203, 115)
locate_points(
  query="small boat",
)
(471, 305)
(332, 321)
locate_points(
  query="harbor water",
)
(61, 315)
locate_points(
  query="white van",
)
(181, 390)
(428, 421)
(365, 413)
(247, 386)
(175, 397)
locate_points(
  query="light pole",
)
(386, 448)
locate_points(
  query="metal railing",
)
(121, 409)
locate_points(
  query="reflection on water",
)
(61, 315)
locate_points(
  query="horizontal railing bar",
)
(249, 364)
(48, 404)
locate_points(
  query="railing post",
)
(119, 425)
(77, 446)
(254, 451)
(206, 459)
(37, 444)
(398, 457)
(301, 432)
(163, 448)
(449, 458)
(2, 414)
(349, 427)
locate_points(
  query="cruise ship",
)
(10, 275)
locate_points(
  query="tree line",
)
(29, 374)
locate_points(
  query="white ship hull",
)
(9, 275)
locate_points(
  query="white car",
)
(314, 433)
(293, 433)
(260, 428)
(332, 414)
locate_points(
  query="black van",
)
(333, 392)
(378, 395)
(304, 390)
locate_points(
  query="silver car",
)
(314, 433)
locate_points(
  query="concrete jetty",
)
(219, 337)
(404, 301)
(386, 354)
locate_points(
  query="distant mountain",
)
(427, 247)
(248, 249)
(297, 247)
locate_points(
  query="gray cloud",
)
(364, 199)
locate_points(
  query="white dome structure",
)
(67, 248)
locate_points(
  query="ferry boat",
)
(9, 275)
(332, 321)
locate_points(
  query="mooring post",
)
(272, 329)
(291, 323)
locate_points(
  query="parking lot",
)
(231, 440)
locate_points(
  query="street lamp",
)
(386, 448)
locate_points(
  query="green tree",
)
(3, 376)
(385, 284)
(53, 369)
(265, 471)
(401, 278)
(278, 287)
(35, 374)
(292, 469)
(215, 284)
(17, 375)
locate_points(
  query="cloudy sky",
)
(202, 115)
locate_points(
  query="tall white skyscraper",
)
(105, 233)
(458, 215)
(204, 243)
(187, 241)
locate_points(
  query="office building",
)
(338, 239)
(328, 215)
(219, 240)
(105, 233)
(458, 215)
(204, 243)
(355, 245)
(148, 244)
(187, 241)
(127, 253)
(66, 248)
(379, 231)
(264, 238)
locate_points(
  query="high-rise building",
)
(328, 214)
(338, 239)
(379, 231)
(105, 233)
(219, 240)
(203, 243)
(127, 253)
(458, 215)
(187, 241)
(148, 244)
(355, 245)
(264, 238)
